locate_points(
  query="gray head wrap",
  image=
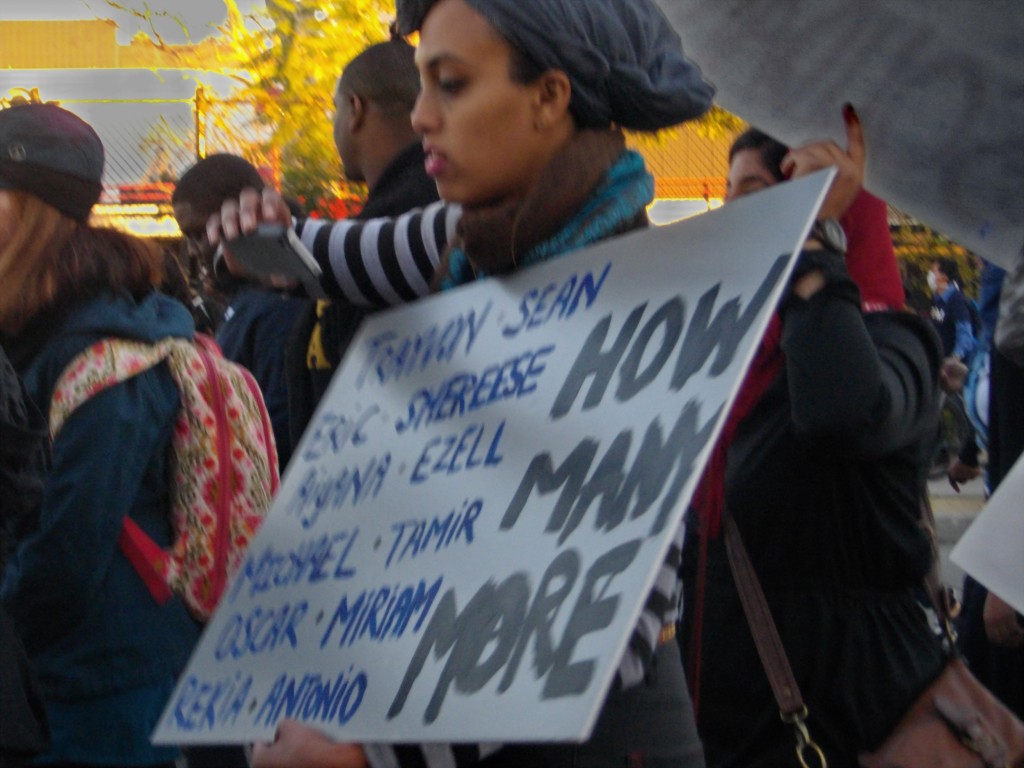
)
(623, 59)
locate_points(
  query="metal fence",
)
(149, 143)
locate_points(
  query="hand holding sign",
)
(822, 154)
(1001, 623)
(298, 744)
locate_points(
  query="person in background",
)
(258, 319)
(519, 133)
(246, 329)
(950, 312)
(991, 633)
(375, 140)
(822, 465)
(377, 146)
(919, 298)
(951, 317)
(106, 653)
(966, 466)
(206, 308)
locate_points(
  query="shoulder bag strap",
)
(792, 708)
(941, 597)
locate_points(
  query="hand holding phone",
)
(275, 250)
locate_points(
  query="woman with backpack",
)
(105, 651)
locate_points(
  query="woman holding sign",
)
(822, 465)
(519, 130)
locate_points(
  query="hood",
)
(153, 318)
(53, 340)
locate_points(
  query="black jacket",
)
(404, 185)
(824, 479)
(22, 433)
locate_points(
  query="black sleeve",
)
(863, 385)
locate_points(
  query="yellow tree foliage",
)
(291, 57)
(286, 60)
(917, 246)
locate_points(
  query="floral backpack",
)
(223, 464)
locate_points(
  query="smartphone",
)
(274, 249)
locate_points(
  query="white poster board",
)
(992, 549)
(466, 534)
(939, 87)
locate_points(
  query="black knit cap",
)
(52, 154)
(623, 58)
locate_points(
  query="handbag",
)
(955, 723)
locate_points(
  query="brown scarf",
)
(493, 235)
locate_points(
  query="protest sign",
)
(469, 528)
(937, 85)
(992, 549)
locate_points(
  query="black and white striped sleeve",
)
(385, 261)
(659, 611)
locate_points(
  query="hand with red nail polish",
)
(849, 162)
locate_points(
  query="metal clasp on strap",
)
(806, 747)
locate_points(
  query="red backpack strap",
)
(148, 559)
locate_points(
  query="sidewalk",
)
(954, 513)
